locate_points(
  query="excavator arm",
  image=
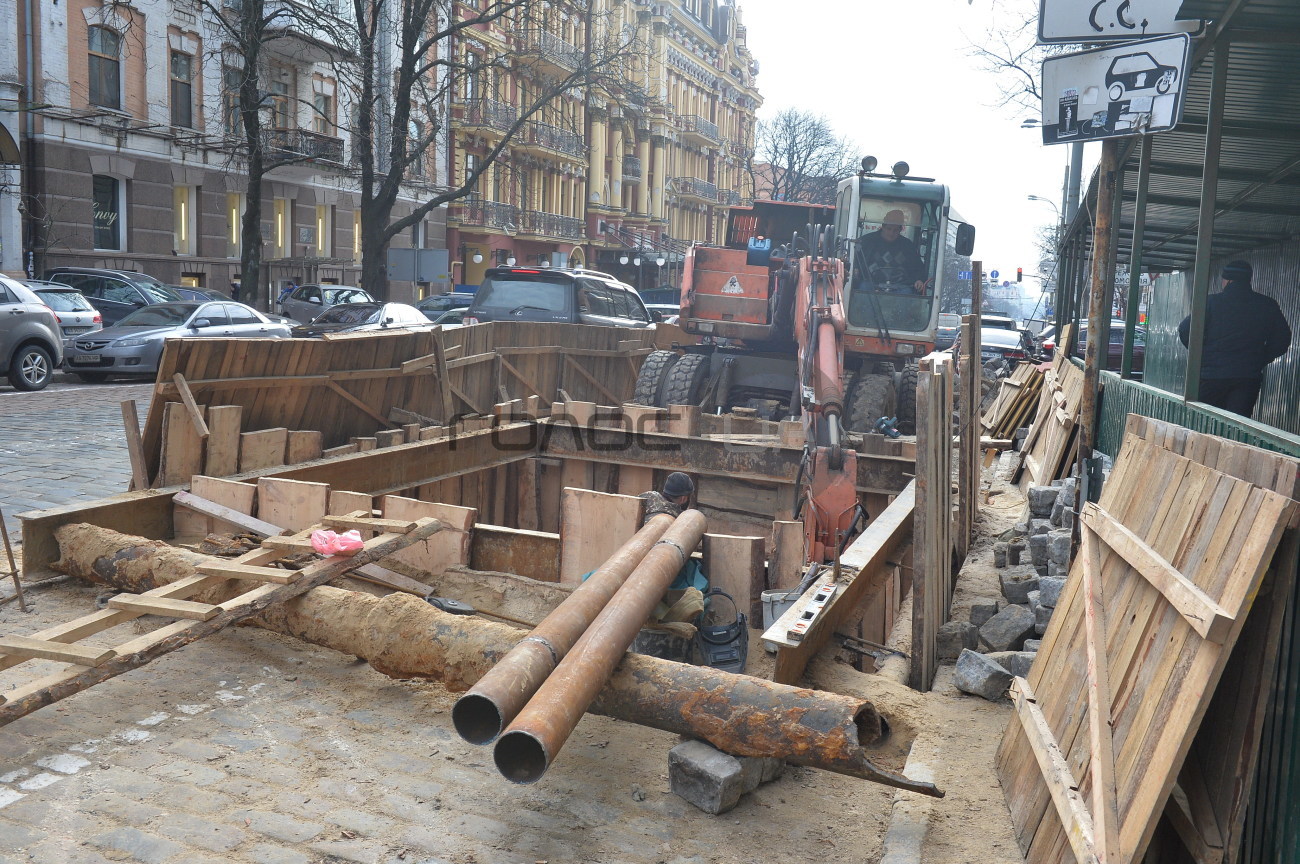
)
(830, 497)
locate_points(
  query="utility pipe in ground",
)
(529, 745)
(403, 637)
(481, 714)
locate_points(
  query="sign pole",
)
(1101, 301)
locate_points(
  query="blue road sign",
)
(993, 274)
(965, 275)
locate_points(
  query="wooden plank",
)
(41, 649)
(262, 449)
(444, 382)
(684, 420)
(135, 446)
(211, 515)
(1208, 618)
(735, 565)
(1070, 806)
(184, 609)
(181, 456)
(1105, 811)
(786, 566)
(357, 403)
(191, 407)
(601, 388)
(342, 503)
(248, 572)
(634, 479)
(593, 525)
(341, 450)
(226, 515)
(303, 445)
(389, 437)
(222, 458)
(449, 547)
(361, 520)
(291, 504)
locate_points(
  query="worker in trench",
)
(674, 498)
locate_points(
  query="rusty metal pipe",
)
(481, 714)
(526, 749)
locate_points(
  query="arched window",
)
(105, 63)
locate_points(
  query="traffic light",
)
(1020, 274)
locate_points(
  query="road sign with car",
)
(1131, 89)
(1083, 21)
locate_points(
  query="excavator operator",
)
(889, 260)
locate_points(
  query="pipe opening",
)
(872, 727)
(477, 719)
(520, 757)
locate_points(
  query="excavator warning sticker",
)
(732, 287)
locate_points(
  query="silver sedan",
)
(134, 345)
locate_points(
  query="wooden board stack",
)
(1174, 556)
(1053, 441)
(1016, 404)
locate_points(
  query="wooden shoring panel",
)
(445, 549)
(932, 551)
(593, 525)
(291, 504)
(1170, 569)
(227, 493)
(1053, 437)
(182, 447)
(968, 434)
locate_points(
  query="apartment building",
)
(130, 146)
(622, 177)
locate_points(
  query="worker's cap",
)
(895, 217)
(677, 485)
(1238, 271)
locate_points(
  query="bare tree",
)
(246, 27)
(1009, 50)
(798, 157)
(395, 129)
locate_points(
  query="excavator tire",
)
(651, 378)
(684, 383)
(907, 400)
(870, 398)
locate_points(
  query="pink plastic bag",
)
(346, 545)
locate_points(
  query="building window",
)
(230, 80)
(183, 219)
(414, 134)
(234, 224)
(356, 236)
(105, 68)
(324, 230)
(279, 88)
(182, 84)
(323, 120)
(108, 212)
(471, 165)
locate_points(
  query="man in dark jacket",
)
(676, 494)
(1244, 332)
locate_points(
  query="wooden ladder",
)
(191, 621)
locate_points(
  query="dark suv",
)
(553, 295)
(114, 293)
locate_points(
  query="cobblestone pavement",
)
(64, 444)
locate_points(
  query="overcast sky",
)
(897, 79)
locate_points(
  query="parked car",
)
(115, 293)
(440, 303)
(31, 346)
(361, 318)
(556, 295)
(72, 310)
(451, 318)
(134, 345)
(1000, 322)
(1115, 350)
(200, 295)
(1010, 345)
(306, 302)
(663, 311)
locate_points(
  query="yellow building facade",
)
(622, 175)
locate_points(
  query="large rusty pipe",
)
(403, 637)
(526, 749)
(481, 714)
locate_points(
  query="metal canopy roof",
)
(1258, 196)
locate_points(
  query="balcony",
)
(695, 127)
(474, 211)
(488, 115)
(543, 136)
(632, 169)
(551, 51)
(728, 198)
(693, 187)
(539, 224)
(300, 143)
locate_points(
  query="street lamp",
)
(1048, 201)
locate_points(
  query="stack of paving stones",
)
(1002, 636)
